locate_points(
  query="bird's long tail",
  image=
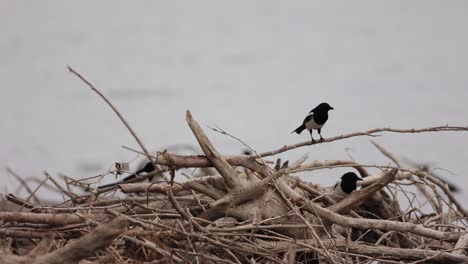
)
(129, 177)
(148, 168)
(299, 129)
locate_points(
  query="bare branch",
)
(86, 246)
(224, 168)
(50, 219)
(368, 250)
(134, 134)
(371, 133)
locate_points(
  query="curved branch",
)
(45, 218)
(121, 117)
(87, 245)
(369, 250)
(370, 133)
(233, 181)
(211, 183)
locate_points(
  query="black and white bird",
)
(315, 120)
(345, 186)
(144, 168)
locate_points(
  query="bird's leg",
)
(312, 138)
(319, 131)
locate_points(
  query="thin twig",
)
(371, 133)
(135, 136)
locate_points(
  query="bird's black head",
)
(323, 107)
(348, 182)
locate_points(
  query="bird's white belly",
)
(312, 125)
(335, 192)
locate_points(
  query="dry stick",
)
(447, 192)
(86, 246)
(196, 184)
(369, 223)
(387, 153)
(75, 251)
(254, 189)
(200, 161)
(185, 215)
(370, 132)
(220, 130)
(204, 256)
(50, 219)
(43, 247)
(142, 146)
(37, 189)
(9, 232)
(23, 182)
(462, 244)
(204, 189)
(139, 242)
(12, 198)
(437, 198)
(369, 250)
(233, 181)
(152, 247)
(63, 190)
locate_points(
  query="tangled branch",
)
(250, 210)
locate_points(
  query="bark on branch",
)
(75, 251)
(45, 218)
(380, 252)
(233, 181)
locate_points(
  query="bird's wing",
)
(119, 181)
(338, 194)
(308, 117)
(314, 109)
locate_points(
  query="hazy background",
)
(255, 68)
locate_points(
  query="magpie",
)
(147, 168)
(315, 120)
(345, 186)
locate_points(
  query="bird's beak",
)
(331, 108)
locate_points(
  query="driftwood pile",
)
(250, 211)
(245, 210)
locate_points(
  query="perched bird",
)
(147, 167)
(345, 186)
(315, 120)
